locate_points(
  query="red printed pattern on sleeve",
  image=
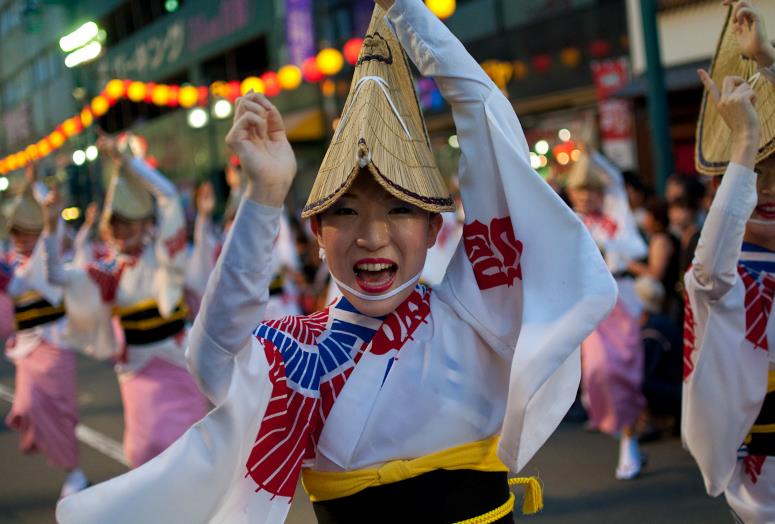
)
(758, 305)
(176, 243)
(494, 252)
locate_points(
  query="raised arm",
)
(238, 289)
(714, 268)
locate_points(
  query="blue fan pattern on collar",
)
(315, 347)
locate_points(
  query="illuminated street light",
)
(79, 38)
(4, 184)
(92, 153)
(197, 118)
(222, 109)
(85, 54)
(542, 147)
(79, 157)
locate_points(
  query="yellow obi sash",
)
(31, 310)
(477, 456)
(143, 323)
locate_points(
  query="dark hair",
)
(657, 208)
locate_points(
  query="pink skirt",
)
(612, 372)
(161, 402)
(45, 409)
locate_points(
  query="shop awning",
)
(677, 78)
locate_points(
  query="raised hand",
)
(108, 146)
(52, 207)
(258, 138)
(735, 103)
(31, 173)
(751, 32)
(90, 217)
(205, 199)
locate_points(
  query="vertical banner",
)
(616, 115)
(300, 30)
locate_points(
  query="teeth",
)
(373, 267)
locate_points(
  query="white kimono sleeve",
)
(725, 376)
(202, 476)
(526, 276)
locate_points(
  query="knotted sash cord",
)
(477, 456)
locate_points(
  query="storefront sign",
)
(616, 123)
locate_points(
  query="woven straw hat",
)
(127, 197)
(586, 173)
(712, 151)
(381, 131)
(25, 212)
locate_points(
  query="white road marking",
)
(91, 437)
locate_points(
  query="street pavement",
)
(576, 468)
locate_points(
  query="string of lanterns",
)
(328, 62)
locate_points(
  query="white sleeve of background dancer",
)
(235, 298)
(714, 268)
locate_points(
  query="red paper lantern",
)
(542, 63)
(204, 94)
(271, 84)
(310, 71)
(234, 90)
(352, 49)
(174, 93)
(599, 48)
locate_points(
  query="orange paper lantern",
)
(44, 148)
(252, 82)
(87, 118)
(99, 105)
(115, 89)
(442, 8)
(160, 95)
(188, 96)
(72, 126)
(136, 91)
(289, 77)
(329, 61)
(56, 139)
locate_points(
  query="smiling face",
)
(759, 233)
(375, 242)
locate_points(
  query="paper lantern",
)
(72, 126)
(188, 96)
(174, 94)
(441, 8)
(203, 95)
(310, 70)
(136, 91)
(329, 61)
(44, 148)
(520, 69)
(352, 49)
(271, 83)
(115, 89)
(570, 56)
(542, 63)
(87, 119)
(56, 139)
(99, 105)
(219, 88)
(32, 151)
(160, 95)
(289, 77)
(599, 48)
(251, 82)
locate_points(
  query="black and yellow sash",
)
(31, 310)
(761, 440)
(276, 286)
(144, 324)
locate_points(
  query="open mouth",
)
(766, 211)
(375, 275)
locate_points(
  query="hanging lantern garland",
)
(315, 69)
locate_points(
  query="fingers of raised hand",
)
(730, 84)
(248, 126)
(709, 84)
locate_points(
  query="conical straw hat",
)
(586, 173)
(712, 151)
(381, 131)
(127, 197)
(25, 212)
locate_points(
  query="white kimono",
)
(493, 349)
(727, 355)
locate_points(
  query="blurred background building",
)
(572, 68)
